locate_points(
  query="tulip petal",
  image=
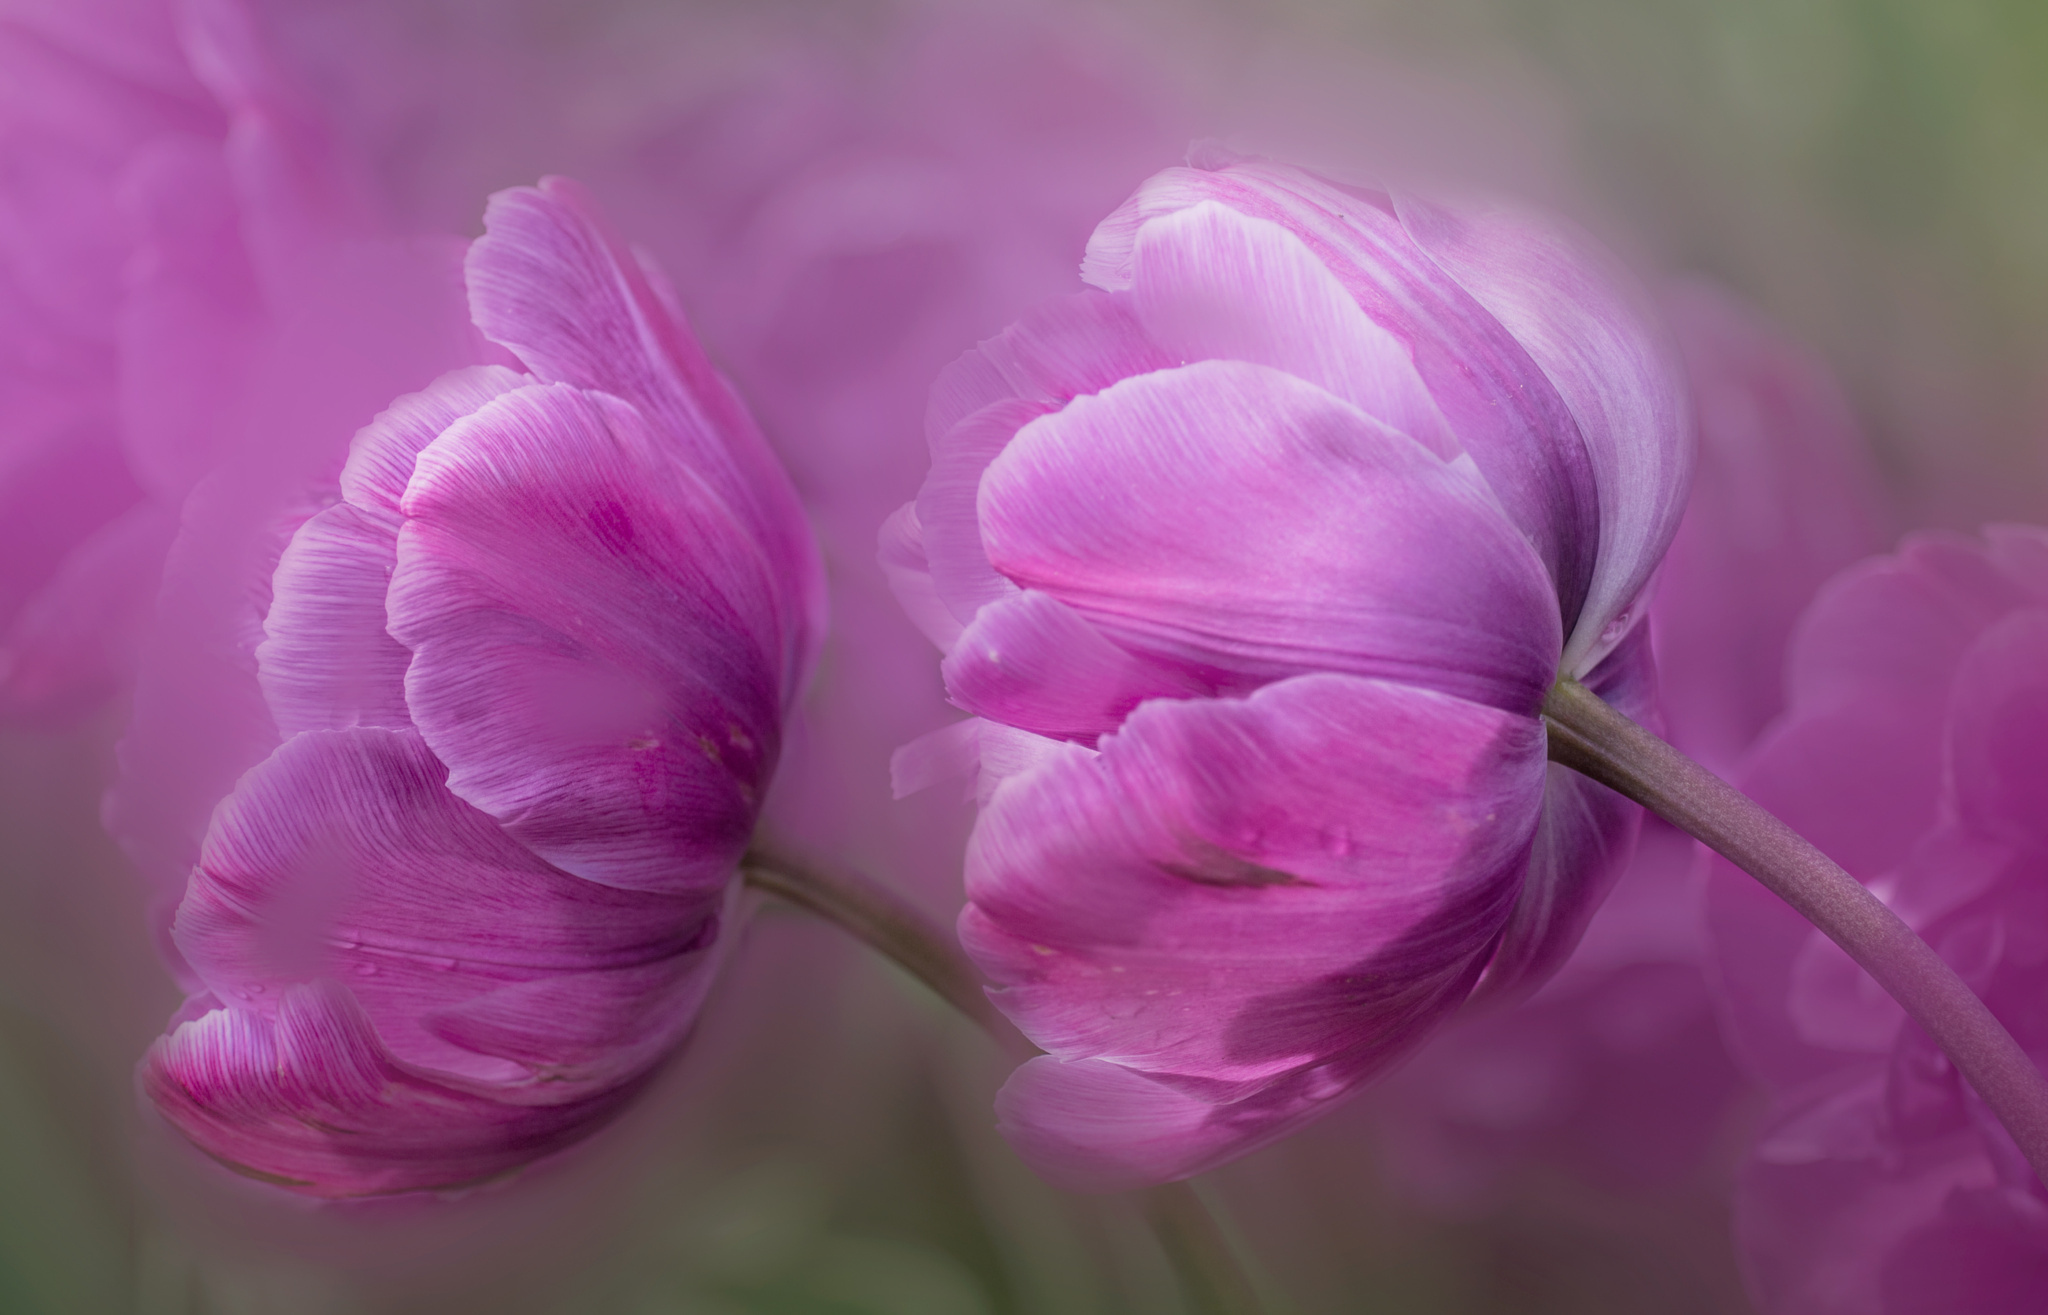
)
(326, 661)
(310, 1098)
(1031, 662)
(1258, 902)
(1584, 843)
(961, 575)
(1504, 410)
(1061, 349)
(343, 856)
(1998, 730)
(594, 640)
(909, 573)
(1212, 284)
(1249, 526)
(1575, 313)
(550, 282)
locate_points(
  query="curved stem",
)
(1593, 739)
(887, 924)
(1195, 1245)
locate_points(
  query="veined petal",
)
(595, 640)
(309, 1098)
(1259, 902)
(1572, 310)
(1503, 409)
(946, 516)
(909, 573)
(1032, 662)
(326, 660)
(383, 453)
(1249, 526)
(343, 856)
(550, 282)
(1212, 284)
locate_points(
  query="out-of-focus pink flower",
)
(1255, 565)
(179, 246)
(1915, 753)
(510, 699)
(1616, 1071)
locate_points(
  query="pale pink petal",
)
(1032, 662)
(909, 573)
(1505, 412)
(1576, 313)
(1248, 526)
(948, 522)
(1210, 283)
(1260, 902)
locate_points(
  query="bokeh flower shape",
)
(1255, 564)
(528, 669)
(1913, 751)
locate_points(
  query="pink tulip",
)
(1256, 564)
(1912, 752)
(509, 706)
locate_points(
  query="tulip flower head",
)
(526, 670)
(1255, 564)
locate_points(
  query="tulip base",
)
(1200, 1253)
(1596, 741)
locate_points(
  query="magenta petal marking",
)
(1260, 901)
(549, 281)
(1243, 523)
(343, 856)
(594, 637)
(1032, 662)
(310, 1098)
(1572, 310)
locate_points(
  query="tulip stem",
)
(1202, 1257)
(886, 923)
(1594, 740)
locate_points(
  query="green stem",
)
(1195, 1245)
(1593, 739)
